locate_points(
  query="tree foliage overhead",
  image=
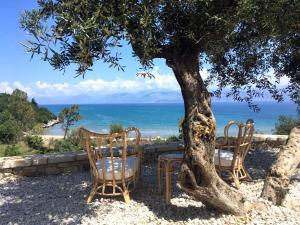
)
(241, 40)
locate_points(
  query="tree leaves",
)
(242, 40)
(68, 117)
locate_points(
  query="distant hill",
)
(147, 96)
(16, 107)
(154, 96)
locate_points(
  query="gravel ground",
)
(60, 200)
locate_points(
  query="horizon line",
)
(157, 103)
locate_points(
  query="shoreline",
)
(150, 138)
(55, 130)
(48, 137)
(51, 123)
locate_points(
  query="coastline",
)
(47, 137)
(257, 137)
(51, 123)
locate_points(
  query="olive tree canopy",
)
(241, 40)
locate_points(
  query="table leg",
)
(168, 182)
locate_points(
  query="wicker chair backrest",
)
(108, 149)
(242, 142)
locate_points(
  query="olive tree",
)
(242, 41)
(68, 117)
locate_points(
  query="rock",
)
(14, 162)
(39, 159)
(81, 156)
(58, 158)
(71, 169)
(52, 170)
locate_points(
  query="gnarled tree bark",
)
(277, 182)
(198, 176)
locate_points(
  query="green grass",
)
(24, 149)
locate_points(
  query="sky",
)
(39, 80)
(102, 85)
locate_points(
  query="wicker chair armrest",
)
(222, 143)
(225, 147)
(219, 145)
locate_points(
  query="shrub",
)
(65, 146)
(78, 140)
(73, 136)
(285, 124)
(23, 113)
(12, 150)
(116, 128)
(172, 138)
(43, 115)
(10, 131)
(158, 140)
(51, 143)
(17, 108)
(34, 141)
(37, 129)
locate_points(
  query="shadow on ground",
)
(45, 200)
(258, 162)
(181, 209)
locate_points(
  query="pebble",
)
(60, 199)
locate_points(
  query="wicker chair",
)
(230, 155)
(115, 162)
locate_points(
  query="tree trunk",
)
(198, 176)
(65, 133)
(277, 182)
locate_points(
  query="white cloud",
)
(99, 87)
(22, 87)
(283, 82)
(94, 86)
(204, 73)
(162, 81)
(5, 88)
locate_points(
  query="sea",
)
(162, 119)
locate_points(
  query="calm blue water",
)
(162, 119)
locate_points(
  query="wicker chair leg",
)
(159, 177)
(92, 194)
(168, 183)
(126, 196)
(236, 179)
(248, 177)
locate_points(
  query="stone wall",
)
(37, 165)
